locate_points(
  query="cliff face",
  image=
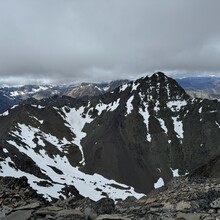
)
(140, 135)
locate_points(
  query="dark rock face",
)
(142, 132)
(210, 169)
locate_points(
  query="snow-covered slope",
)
(58, 168)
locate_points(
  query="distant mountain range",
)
(197, 87)
(124, 142)
(10, 96)
(201, 87)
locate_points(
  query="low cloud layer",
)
(68, 41)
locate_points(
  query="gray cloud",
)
(67, 41)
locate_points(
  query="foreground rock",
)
(183, 198)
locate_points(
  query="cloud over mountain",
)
(96, 40)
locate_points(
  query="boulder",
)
(112, 217)
(104, 206)
(19, 215)
(215, 204)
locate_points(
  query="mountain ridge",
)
(139, 134)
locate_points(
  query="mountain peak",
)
(159, 86)
(158, 74)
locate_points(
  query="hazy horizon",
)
(12, 83)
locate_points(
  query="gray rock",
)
(189, 216)
(29, 206)
(2, 215)
(19, 215)
(90, 214)
(70, 213)
(104, 206)
(168, 207)
(114, 217)
(5, 210)
(181, 206)
(47, 211)
(152, 217)
(215, 204)
(209, 218)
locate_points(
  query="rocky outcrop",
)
(183, 198)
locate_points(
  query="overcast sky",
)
(95, 40)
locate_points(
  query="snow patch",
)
(28, 133)
(200, 110)
(106, 88)
(176, 105)
(217, 124)
(76, 119)
(107, 107)
(14, 106)
(35, 118)
(123, 87)
(25, 92)
(142, 96)
(16, 93)
(178, 127)
(175, 172)
(168, 90)
(159, 183)
(38, 106)
(134, 86)
(5, 150)
(129, 105)
(114, 105)
(145, 114)
(156, 107)
(213, 111)
(163, 126)
(5, 113)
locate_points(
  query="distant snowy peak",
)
(27, 90)
(14, 95)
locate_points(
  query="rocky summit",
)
(183, 198)
(124, 143)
